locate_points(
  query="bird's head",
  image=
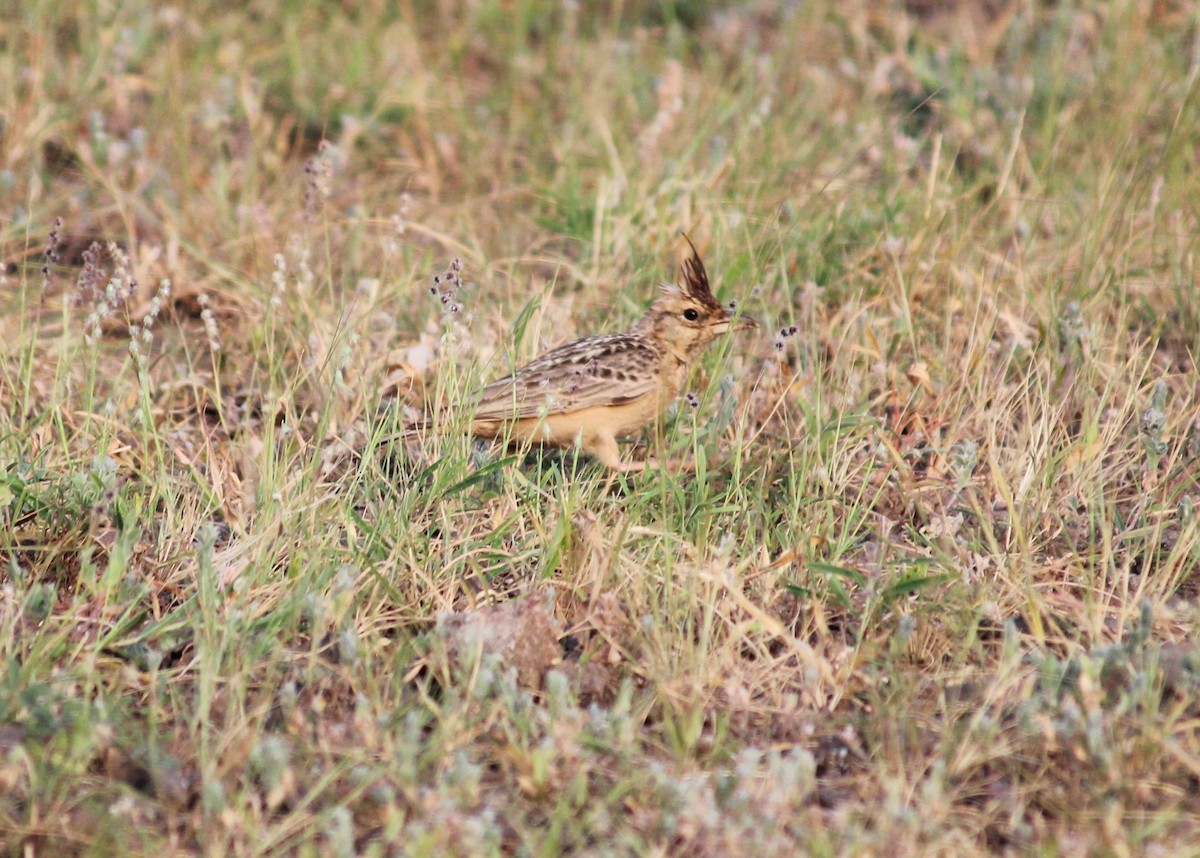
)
(685, 316)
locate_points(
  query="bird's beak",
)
(733, 323)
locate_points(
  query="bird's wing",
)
(598, 371)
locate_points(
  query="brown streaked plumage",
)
(598, 389)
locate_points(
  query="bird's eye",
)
(690, 314)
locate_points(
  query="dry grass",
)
(932, 589)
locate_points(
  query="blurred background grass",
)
(931, 590)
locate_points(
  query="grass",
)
(931, 589)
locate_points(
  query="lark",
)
(596, 390)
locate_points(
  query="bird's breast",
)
(674, 374)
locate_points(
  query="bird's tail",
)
(410, 435)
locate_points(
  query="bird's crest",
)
(694, 279)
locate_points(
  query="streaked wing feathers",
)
(610, 370)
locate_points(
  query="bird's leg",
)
(604, 448)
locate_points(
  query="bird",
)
(599, 389)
